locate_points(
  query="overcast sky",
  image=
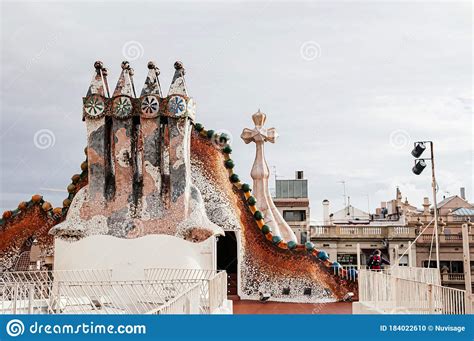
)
(348, 85)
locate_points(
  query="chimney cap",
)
(125, 65)
(178, 65)
(152, 66)
(98, 65)
(299, 175)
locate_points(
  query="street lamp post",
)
(420, 164)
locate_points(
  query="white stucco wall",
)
(129, 257)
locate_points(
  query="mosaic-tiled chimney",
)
(138, 162)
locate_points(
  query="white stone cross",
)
(260, 174)
(259, 133)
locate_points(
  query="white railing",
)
(425, 275)
(445, 238)
(186, 303)
(93, 292)
(383, 293)
(401, 230)
(217, 291)
(213, 288)
(319, 230)
(171, 273)
(87, 275)
(348, 230)
(361, 231)
(454, 277)
(371, 230)
(66, 297)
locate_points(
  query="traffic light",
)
(419, 166)
(418, 150)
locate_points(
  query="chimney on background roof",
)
(326, 218)
(426, 206)
(299, 175)
(463, 193)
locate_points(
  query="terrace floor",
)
(257, 307)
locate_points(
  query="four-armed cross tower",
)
(260, 174)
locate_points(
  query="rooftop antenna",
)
(274, 168)
(343, 182)
(368, 204)
(349, 208)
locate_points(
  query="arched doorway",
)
(227, 259)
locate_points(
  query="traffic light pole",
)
(433, 184)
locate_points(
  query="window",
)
(291, 188)
(453, 266)
(457, 267)
(347, 259)
(432, 264)
(403, 261)
(297, 215)
(303, 237)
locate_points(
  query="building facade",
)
(291, 200)
(453, 211)
(350, 229)
(395, 226)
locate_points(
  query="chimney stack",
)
(426, 206)
(463, 193)
(326, 219)
(299, 175)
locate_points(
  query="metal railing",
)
(39, 276)
(217, 291)
(348, 272)
(109, 297)
(187, 303)
(425, 275)
(93, 292)
(388, 294)
(171, 273)
(213, 284)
